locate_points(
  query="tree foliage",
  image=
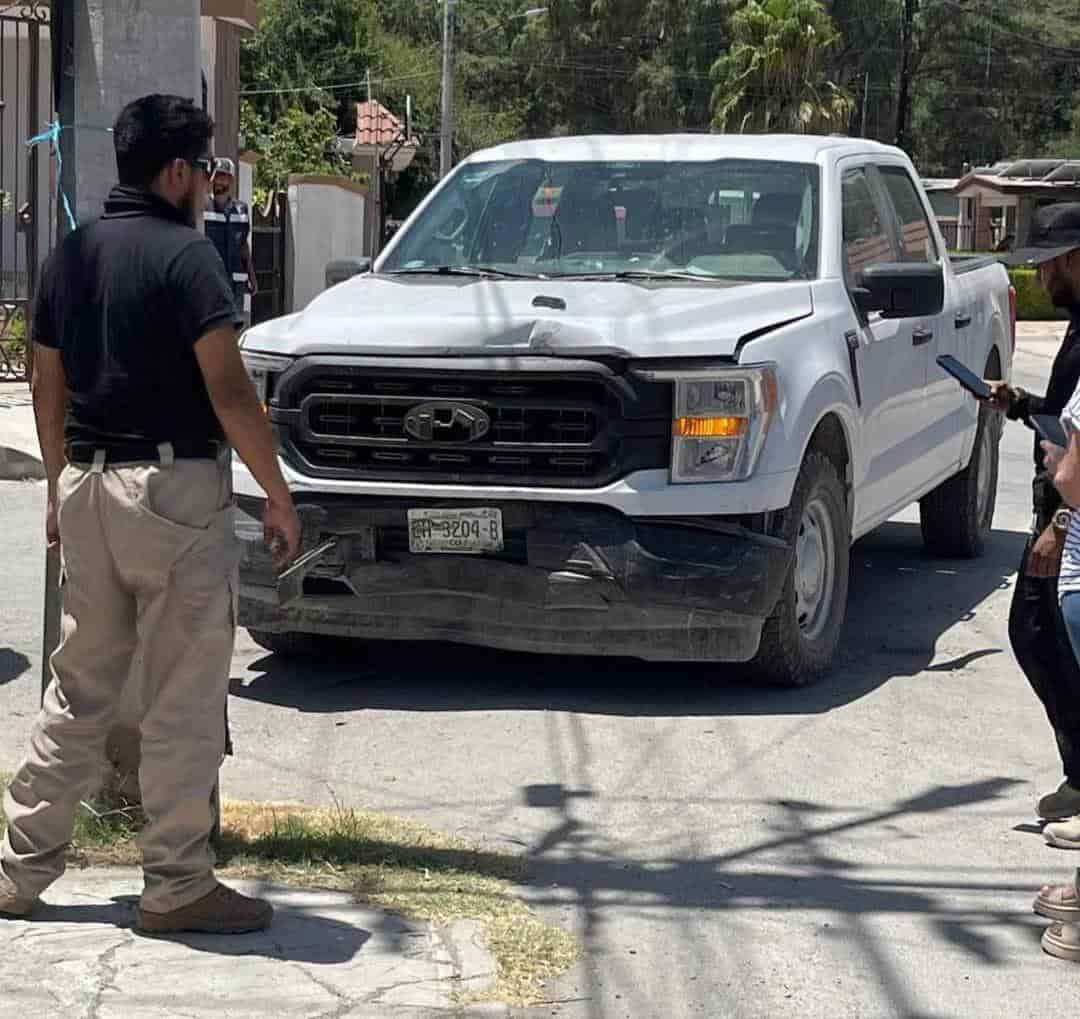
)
(773, 76)
(988, 80)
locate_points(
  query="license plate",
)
(464, 531)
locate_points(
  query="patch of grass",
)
(388, 861)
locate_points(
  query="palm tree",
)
(771, 78)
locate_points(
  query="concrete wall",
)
(220, 54)
(125, 49)
(326, 221)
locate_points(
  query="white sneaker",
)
(1064, 834)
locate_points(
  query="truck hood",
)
(461, 316)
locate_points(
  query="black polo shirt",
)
(1064, 381)
(125, 299)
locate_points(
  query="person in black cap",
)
(1036, 627)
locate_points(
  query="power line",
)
(363, 82)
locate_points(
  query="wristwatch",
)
(1061, 520)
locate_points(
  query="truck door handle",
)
(921, 337)
(962, 321)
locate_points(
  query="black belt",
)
(140, 452)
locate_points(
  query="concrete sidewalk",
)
(324, 956)
(20, 455)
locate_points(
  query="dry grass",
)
(388, 861)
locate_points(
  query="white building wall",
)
(326, 221)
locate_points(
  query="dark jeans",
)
(1041, 644)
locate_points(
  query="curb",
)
(16, 465)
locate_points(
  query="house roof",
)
(377, 126)
(1015, 185)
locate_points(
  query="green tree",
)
(298, 142)
(303, 43)
(772, 79)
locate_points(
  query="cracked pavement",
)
(324, 958)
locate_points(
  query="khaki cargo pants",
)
(149, 562)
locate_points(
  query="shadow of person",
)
(12, 665)
(320, 928)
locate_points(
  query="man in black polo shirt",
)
(139, 392)
(1036, 627)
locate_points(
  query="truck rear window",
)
(729, 219)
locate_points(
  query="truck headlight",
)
(721, 419)
(262, 368)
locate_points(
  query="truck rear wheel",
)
(956, 516)
(799, 639)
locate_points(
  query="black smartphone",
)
(1050, 428)
(965, 376)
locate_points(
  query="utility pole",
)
(865, 99)
(446, 130)
(907, 45)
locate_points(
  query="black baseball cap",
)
(1055, 230)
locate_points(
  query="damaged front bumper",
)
(572, 579)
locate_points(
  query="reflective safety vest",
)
(229, 230)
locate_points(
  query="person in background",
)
(1061, 903)
(227, 223)
(140, 395)
(1036, 627)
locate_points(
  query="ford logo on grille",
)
(446, 421)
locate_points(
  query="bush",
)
(1032, 302)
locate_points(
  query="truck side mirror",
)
(901, 290)
(341, 269)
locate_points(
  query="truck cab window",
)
(865, 237)
(915, 237)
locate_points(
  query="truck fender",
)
(831, 395)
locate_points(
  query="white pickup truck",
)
(629, 396)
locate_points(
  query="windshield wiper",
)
(479, 271)
(640, 274)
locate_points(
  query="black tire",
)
(796, 649)
(957, 516)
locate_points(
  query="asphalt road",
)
(862, 848)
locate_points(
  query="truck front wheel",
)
(800, 637)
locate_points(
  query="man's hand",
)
(253, 283)
(1001, 396)
(281, 532)
(52, 524)
(1044, 559)
(1052, 456)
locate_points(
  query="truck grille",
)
(450, 425)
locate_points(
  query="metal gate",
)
(269, 237)
(27, 207)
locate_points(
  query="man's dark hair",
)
(153, 131)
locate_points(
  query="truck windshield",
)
(732, 219)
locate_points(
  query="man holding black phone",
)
(1036, 627)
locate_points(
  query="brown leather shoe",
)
(14, 908)
(223, 911)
